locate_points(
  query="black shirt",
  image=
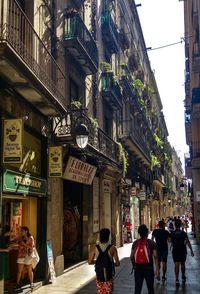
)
(161, 236)
(179, 240)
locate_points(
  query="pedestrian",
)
(106, 258)
(142, 254)
(161, 237)
(25, 248)
(179, 241)
(170, 225)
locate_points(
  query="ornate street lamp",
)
(81, 134)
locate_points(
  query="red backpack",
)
(142, 252)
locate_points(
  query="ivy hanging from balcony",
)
(123, 158)
(154, 160)
(159, 141)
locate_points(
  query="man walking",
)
(162, 237)
(142, 253)
(106, 258)
(179, 240)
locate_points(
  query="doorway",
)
(72, 223)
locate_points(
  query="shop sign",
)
(23, 183)
(12, 141)
(55, 161)
(107, 186)
(79, 171)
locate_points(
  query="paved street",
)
(82, 279)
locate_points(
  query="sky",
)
(162, 23)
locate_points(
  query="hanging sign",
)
(12, 141)
(79, 171)
(55, 161)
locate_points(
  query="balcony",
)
(26, 64)
(127, 82)
(99, 143)
(188, 130)
(111, 90)
(188, 168)
(109, 32)
(80, 44)
(123, 38)
(195, 154)
(134, 140)
(196, 102)
(158, 177)
(196, 58)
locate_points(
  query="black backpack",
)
(104, 266)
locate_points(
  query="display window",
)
(16, 212)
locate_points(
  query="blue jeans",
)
(142, 274)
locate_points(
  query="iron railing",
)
(110, 30)
(75, 28)
(17, 31)
(195, 149)
(110, 85)
(134, 132)
(64, 129)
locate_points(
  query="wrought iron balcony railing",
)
(127, 82)
(63, 129)
(196, 58)
(80, 43)
(134, 133)
(158, 176)
(110, 32)
(17, 32)
(111, 90)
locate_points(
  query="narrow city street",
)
(82, 279)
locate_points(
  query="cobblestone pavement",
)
(82, 278)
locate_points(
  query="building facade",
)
(192, 100)
(66, 64)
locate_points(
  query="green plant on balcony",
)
(105, 67)
(123, 158)
(154, 160)
(94, 130)
(158, 140)
(139, 86)
(141, 102)
(75, 104)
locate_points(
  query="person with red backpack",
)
(143, 252)
(106, 258)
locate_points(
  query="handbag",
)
(35, 258)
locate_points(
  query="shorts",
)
(162, 255)
(27, 260)
(179, 256)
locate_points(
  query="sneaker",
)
(17, 286)
(32, 286)
(177, 282)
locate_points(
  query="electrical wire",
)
(168, 45)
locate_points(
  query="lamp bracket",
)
(65, 126)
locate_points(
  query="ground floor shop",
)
(23, 199)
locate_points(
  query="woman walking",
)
(26, 244)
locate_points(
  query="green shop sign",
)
(23, 183)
